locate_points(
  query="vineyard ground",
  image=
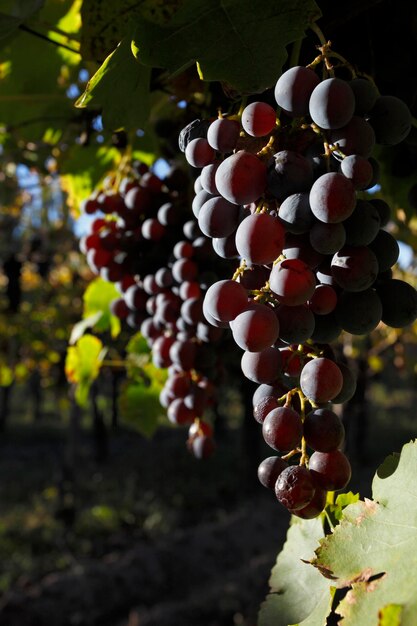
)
(152, 536)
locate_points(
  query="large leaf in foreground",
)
(240, 42)
(289, 603)
(374, 549)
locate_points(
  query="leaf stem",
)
(35, 33)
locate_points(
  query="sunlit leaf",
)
(120, 74)
(367, 550)
(97, 298)
(82, 365)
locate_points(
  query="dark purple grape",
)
(359, 313)
(358, 170)
(332, 104)
(218, 217)
(258, 119)
(292, 282)
(193, 130)
(391, 120)
(269, 470)
(262, 367)
(199, 152)
(323, 300)
(354, 268)
(332, 198)
(223, 134)
(365, 93)
(289, 172)
(349, 385)
(294, 487)
(294, 88)
(399, 302)
(321, 380)
(323, 430)
(330, 470)
(296, 323)
(327, 238)
(260, 238)
(357, 137)
(241, 178)
(314, 507)
(256, 328)
(295, 213)
(264, 406)
(363, 225)
(225, 299)
(282, 429)
(386, 249)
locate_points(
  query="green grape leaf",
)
(82, 167)
(13, 13)
(97, 298)
(288, 603)
(335, 510)
(137, 345)
(232, 41)
(374, 549)
(33, 101)
(140, 407)
(106, 23)
(120, 87)
(82, 365)
(81, 326)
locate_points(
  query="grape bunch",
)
(162, 265)
(288, 197)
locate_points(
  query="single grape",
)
(269, 470)
(399, 302)
(289, 172)
(225, 299)
(321, 380)
(330, 470)
(292, 282)
(294, 487)
(294, 88)
(282, 429)
(354, 268)
(327, 238)
(241, 178)
(332, 198)
(296, 323)
(348, 387)
(256, 328)
(363, 225)
(332, 104)
(323, 300)
(264, 406)
(323, 430)
(222, 134)
(260, 238)
(391, 120)
(359, 313)
(357, 137)
(295, 213)
(262, 367)
(258, 119)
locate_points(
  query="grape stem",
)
(327, 54)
